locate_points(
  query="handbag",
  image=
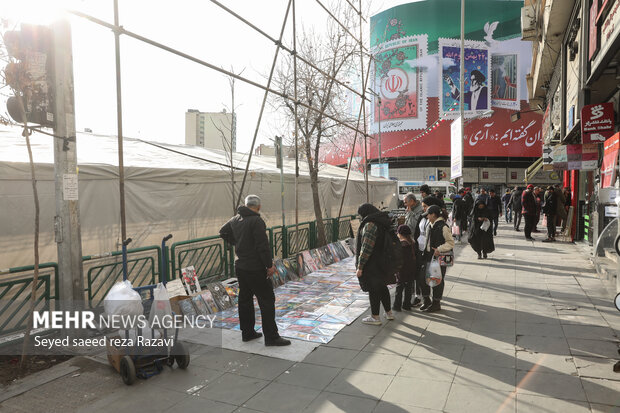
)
(446, 259)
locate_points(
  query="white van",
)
(445, 187)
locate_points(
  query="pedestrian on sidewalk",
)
(459, 213)
(438, 240)
(484, 197)
(495, 207)
(406, 276)
(507, 207)
(369, 260)
(538, 197)
(528, 203)
(254, 267)
(549, 209)
(515, 202)
(481, 234)
(419, 236)
(469, 206)
(414, 210)
(561, 211)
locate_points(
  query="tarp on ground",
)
(166, 191)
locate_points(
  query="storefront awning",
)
(532, 169)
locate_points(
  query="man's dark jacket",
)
(469, 202)
(495, 205)
(247, 232)
(373, 275)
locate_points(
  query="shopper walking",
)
(459, 213)
(469, 206)
(515, 202)
(529, 211)
(406, 276)
(254, 267)
(495, 207)
(538, 197)
(369, 259)
(481, 234)
(438, 240)
(484, 197)
(550, 211)
(507, 206)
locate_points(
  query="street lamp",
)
(375, 94)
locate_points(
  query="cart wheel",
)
(128, 370)
(181, 355)
(170, 361)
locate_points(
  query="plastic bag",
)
(485, 225)
(122, 299)
(433, 273)
(161, 304)
(456, 230)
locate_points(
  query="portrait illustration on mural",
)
(476, 93)
(505, 83)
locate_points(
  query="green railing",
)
(211, 257)
(16, 291)
(104, 270)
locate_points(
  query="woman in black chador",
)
(481, 240)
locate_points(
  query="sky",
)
(158, 87)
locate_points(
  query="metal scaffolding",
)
(120, 30)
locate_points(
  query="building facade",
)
(575, 78)
(212, 130)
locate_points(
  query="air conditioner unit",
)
(528, 23)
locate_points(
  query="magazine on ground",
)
(190, 280)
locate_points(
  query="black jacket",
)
(515, 200)
(373, 273)
(247, 232)
(459, 209)
(469, 202)
(435, 238)
(550, 205)
(495, 205)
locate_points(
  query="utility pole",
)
(67, 220)
(462, 85)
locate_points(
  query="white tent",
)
(178, 189)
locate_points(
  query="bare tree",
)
(336, 53)
(228, 134)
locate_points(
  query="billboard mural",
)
(415, 74)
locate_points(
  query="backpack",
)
(392, 252)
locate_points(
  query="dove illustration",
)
(489, 29)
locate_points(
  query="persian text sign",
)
(610, 161)
(456, 154)
(596, 119)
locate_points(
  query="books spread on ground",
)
(317, 295)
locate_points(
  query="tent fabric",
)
(166, 191)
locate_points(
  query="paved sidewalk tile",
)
(376, 363)
(360, 384)
(527, 403)
(340, 403)
(233, 389)
(309, 375)
(422, 369)
(330, 356)
(282, 398)
(468, 399)
(560, 386)
(408, 391)
(602, 391)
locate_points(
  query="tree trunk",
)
(316, 201)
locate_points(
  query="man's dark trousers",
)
(529, 225)
(517, 218)
(495, 219)
(256, 283)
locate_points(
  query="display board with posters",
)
(415, 51)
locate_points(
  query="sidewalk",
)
(531, 329)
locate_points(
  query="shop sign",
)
(575, 157)
(609, 30)
(610, 161)
(597, 122)
(546, 122)
(593, 30)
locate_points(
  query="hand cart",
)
(136, 361)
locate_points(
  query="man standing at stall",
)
(254, 268)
